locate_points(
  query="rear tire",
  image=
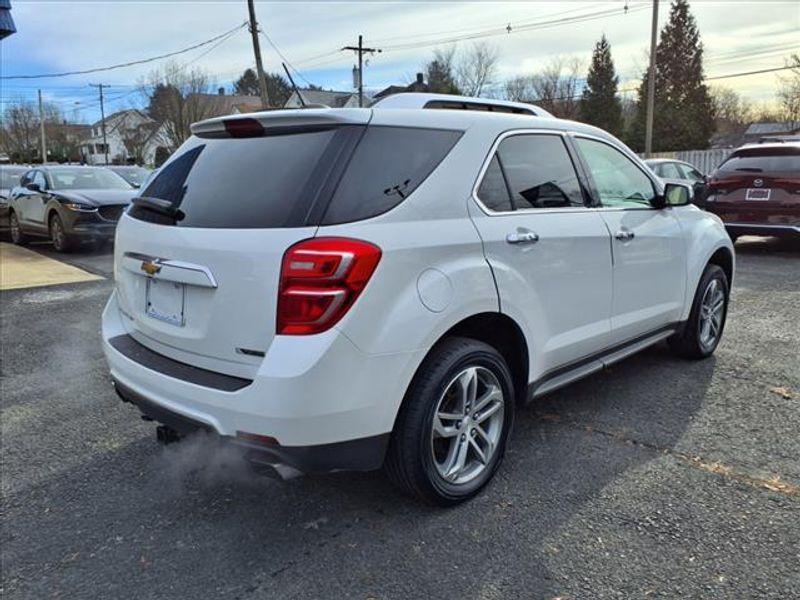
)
(18, 236)
(703, 331)
(61, 241)
(451, 432)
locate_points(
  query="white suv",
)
(345, 289)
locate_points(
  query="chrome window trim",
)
(523, 211)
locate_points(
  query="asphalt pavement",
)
(658, 478)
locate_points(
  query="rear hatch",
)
(198, 256)
(758, 185)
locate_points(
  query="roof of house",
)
(762, 128)
(120, 113)
(327, 97)
(418, 85)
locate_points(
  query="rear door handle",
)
(624, 236)
(522, 237)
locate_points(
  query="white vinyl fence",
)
(705, 160)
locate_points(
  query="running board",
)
(561, 377)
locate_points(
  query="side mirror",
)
(33, 187)
(678, 194)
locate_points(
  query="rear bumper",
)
(767, 230)
(310, 393)
(363, 454)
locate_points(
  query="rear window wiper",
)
(157, 205)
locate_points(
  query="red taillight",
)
(320, 280)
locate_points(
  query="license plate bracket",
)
(165, 301)
(758, 194)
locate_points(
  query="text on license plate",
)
(165, 301)
(758, 194)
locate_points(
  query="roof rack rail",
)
(447, 101)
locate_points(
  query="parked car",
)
(343, 289)
(68, 204)
(133, 174)
(679, 171)
(9, 178)
(756, 190)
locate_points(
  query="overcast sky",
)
(56, 36)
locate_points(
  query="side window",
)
(493, 191)
(386, 167)
(670, 171)
(691, 173)
(26, 178)
(38, 177)
(540, 172)
(617, 179)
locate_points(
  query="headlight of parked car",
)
(79, 207)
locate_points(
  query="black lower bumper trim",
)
(364, 454)
(126, 345)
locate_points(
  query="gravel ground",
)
(656, 478)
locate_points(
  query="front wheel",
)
(451, 433)
(703, 331)
(61, 241)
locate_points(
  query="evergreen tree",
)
(683, 117)
(439, 73)
(599, 104)
(278, 88)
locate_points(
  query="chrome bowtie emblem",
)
(758, 182)
(150, 267)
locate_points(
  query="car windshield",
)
(133, 175)
(9, 178)
(87, 179)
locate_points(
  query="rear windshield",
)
(763, 160)
(290, 180)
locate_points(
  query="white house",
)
(131, 137)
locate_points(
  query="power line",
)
(286, 60)
(127, 64)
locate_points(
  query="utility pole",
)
(651, 85)
(262, 80)
(102, 117)
(41, 129)
(361, 51)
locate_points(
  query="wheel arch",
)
(502, 333)
(723, 258)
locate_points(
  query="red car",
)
(756, 190)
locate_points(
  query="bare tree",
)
(476, 69)
(789, 92)
(21, 130)
(520, 89)
(178, 97)
(733, 112)
(556, 87)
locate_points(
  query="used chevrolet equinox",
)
(350, 289)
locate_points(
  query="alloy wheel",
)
(712, 311)
(467, 425)
(59, 239)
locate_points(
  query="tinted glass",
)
(617, 179)
(540, 172)
(669, 171)
(493, 191)
(245, 183)
(86, 179)
(38, 178)
(386, 167)
(762, 160)
(691, 173)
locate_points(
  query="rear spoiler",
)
(278, 121)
